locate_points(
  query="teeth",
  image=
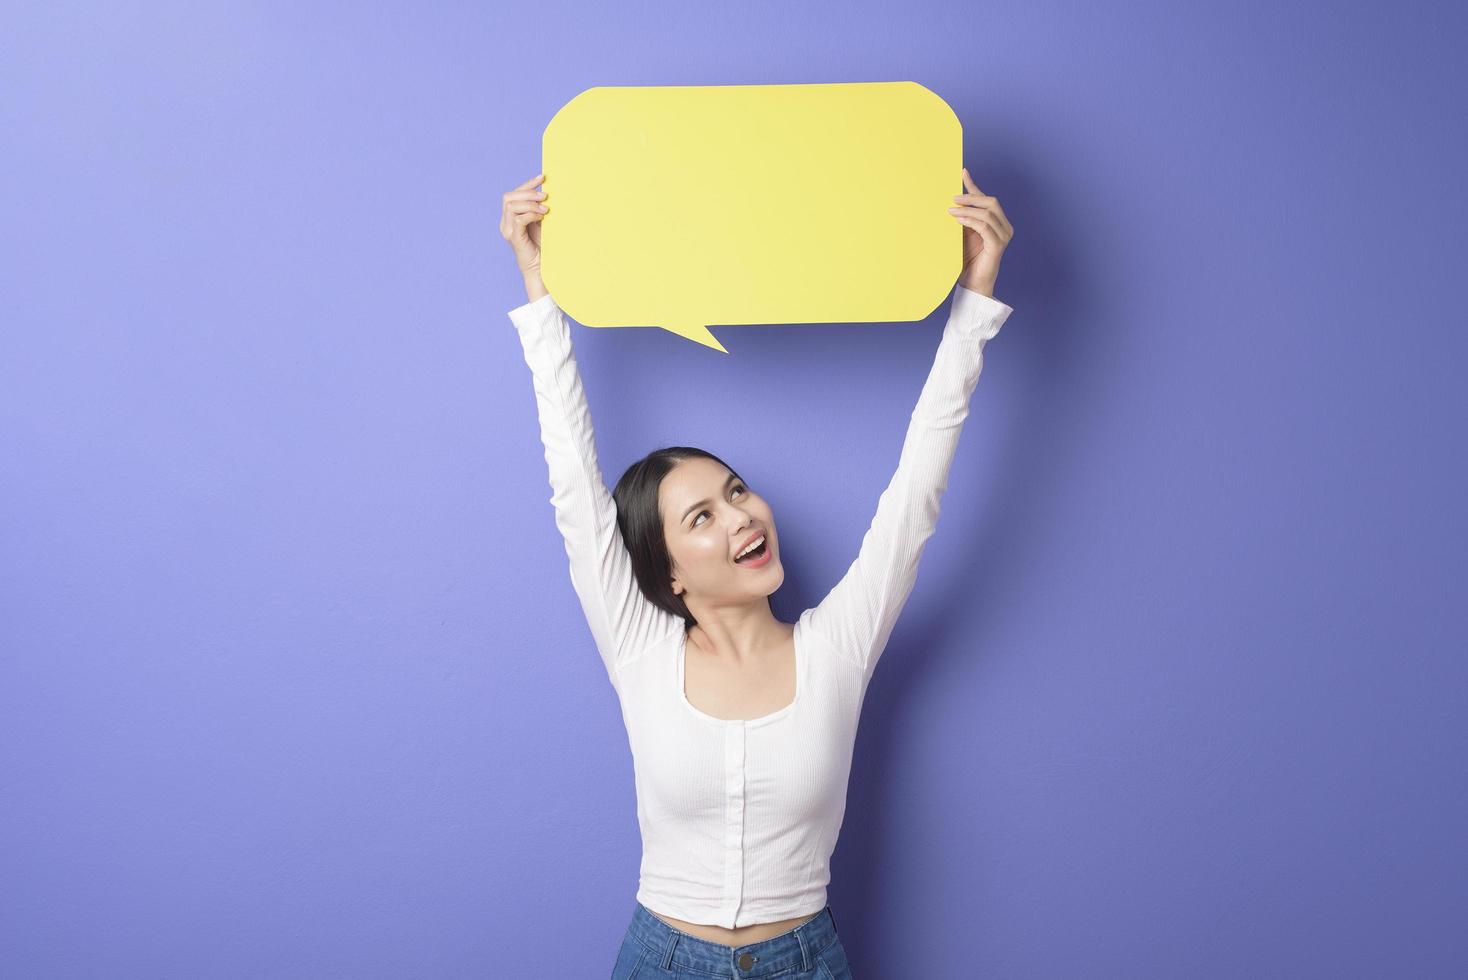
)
(752, 545)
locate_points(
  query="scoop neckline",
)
(775, 715)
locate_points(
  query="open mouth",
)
(758, 556)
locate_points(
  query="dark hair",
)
(641, 524)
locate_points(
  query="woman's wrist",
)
(534, 288)
(984, 287)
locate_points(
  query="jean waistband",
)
(795, 949)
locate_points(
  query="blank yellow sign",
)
(686, 206)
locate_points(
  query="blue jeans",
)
(654, 950)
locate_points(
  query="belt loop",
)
(805, 954)
(673, 937)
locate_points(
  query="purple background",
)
(294, 682)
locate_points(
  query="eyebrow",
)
(732, 479)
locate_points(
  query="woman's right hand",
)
(520, 223)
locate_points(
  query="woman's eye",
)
(738, 488)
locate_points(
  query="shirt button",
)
(745, 961)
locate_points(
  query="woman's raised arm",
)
(857, 616)
(622, 620)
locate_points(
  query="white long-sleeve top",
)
(739, 817)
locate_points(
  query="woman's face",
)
(708, 515)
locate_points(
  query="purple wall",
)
(292, 679)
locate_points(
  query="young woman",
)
(741, 726)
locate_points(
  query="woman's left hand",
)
(986, 233)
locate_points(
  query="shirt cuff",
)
(532, 310)
(971, 305)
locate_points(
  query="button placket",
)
(733, 819)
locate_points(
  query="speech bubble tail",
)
(696, 332)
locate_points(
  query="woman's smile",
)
(759, 556)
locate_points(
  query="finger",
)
(968, 182)
(989, 206)
(520, 226)
(1001, 235)
(524, 196)
(519, 205)
(998, 213)
(983, 227)
(530, 183)
(974, 211)
(977, 200)
(992, 244)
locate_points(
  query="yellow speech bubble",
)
(684, 206)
